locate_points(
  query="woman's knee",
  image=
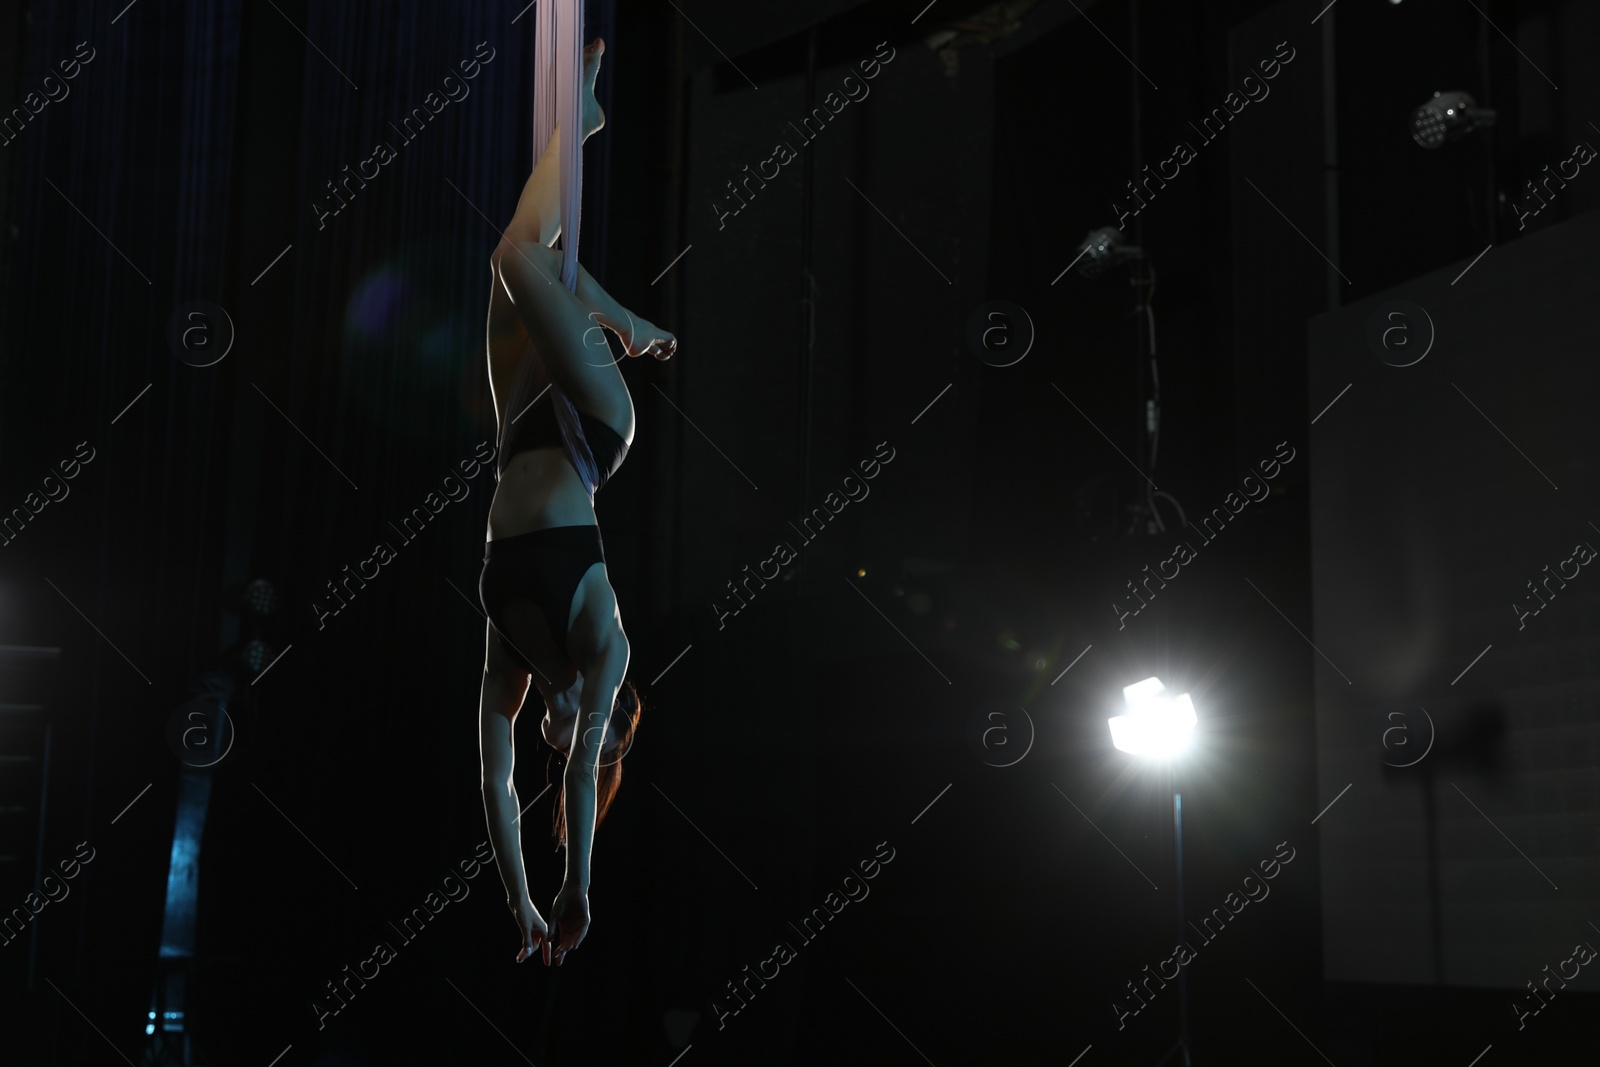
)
(518, 264)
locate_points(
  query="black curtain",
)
(190, 163)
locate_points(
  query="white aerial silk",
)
(557, 104)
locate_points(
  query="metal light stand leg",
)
(1183, 972)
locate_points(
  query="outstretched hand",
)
(569, 923)
(534, 933)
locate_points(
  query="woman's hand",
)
(534, 933)
(569, 921)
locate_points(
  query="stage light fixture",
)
(1157, 725)
(253, 655)
(1448, 117)
(1105, 248)
(261, 597)
(254, 600)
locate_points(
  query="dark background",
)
(827, 316)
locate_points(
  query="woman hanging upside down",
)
(552, 614)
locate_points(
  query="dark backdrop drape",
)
(120, 207)
(188, 164)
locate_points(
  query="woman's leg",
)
(638, 335)
(538, 219)
(538, 214)
(562, 330)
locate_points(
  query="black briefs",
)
(541, 567)
(537, 428)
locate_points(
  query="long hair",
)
(625, 714)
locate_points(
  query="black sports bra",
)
(537, 428)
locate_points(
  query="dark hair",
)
(625, 714)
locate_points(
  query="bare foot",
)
(593, 118)
(641, 337)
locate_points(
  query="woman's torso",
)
(538, 489)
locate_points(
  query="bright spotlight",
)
(1157, 724)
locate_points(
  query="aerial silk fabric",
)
(557, 104)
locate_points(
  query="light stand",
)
(1100, 252)
(1158, 725)
(1183, 972)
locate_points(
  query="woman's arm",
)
(604, 667)
(602, 678)
(500, 796)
